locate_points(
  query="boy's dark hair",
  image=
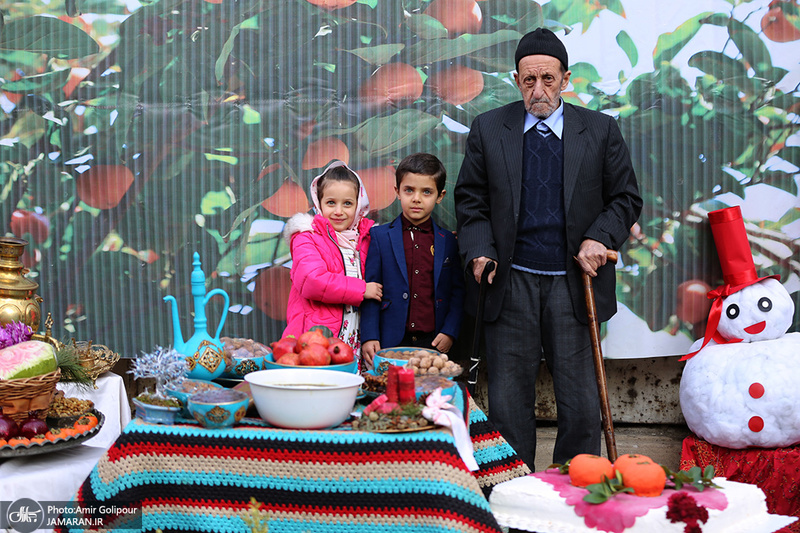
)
(425, 164)
(340, 173)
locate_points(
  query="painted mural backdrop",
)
(135, 133)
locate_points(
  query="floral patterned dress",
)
(351, 331)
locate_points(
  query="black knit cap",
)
(541, 41)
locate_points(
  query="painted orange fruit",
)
(290, 198)
(271, 293)
(458, 16)
(379, 183)
(392, 85)
(457, 85)
(103, 186)
(322, 151)
(777, 27)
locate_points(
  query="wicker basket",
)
(19, 397)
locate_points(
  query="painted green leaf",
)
(628, 46)
(378, 55)
(47, 35)
(443, 49)
(259, 250)
(383, 135)
(669, 44)
(40, 82)
(791, 154)
(426, 27)
(583, 75)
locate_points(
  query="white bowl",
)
(304, 398)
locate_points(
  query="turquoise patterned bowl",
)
(219, 408)
(270, 364)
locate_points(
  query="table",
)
(775, 471)
(56, 476)
(187, 478)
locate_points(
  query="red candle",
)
(392, 386)
(406, 386)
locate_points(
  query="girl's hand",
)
(374, 291)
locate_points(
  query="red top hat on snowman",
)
(738, 268)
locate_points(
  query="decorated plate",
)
(36, 448)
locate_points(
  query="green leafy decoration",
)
(47, 35)
(41, 82)
(426, 27)
(669, 44)
(383, 135)
(434, 50)
(378, 55)
(628, 46)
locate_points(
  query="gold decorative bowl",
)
(95, 358)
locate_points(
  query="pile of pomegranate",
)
(315, 347)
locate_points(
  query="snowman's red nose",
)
(756, 328)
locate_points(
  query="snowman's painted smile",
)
(756, 328)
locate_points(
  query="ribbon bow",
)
(440, 412)
(718, 295)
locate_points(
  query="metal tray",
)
(37, 448)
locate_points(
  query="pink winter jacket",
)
(320, 288)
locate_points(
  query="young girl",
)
(328, 255)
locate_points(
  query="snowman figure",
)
(741, 384)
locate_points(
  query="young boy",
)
(418, 264)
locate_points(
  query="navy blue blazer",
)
(385, 321)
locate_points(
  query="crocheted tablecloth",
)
(187, 478)
(776, 471)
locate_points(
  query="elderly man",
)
(545, 189)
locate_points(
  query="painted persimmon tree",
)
(135, 133)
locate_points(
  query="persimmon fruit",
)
(34, 224)
(693, 305)
(587, 469)
(271, 294)
(290, 198)
(457, 85)
(392, 85)
(646, 477)
(379, 183)
(777, 27)
(103, 186)
(322, 151)
(458, 16)
(332, 4)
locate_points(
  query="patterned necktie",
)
(543, 129)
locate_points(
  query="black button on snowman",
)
(741, 384)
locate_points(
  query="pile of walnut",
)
(64, 407)
(427, 362)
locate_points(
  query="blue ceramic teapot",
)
(204, 353)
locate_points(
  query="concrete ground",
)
(660, 442)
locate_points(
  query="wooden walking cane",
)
(599, 366)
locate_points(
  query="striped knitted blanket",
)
(187, 478)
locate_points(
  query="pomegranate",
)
(315, 355)
(33, 426)
(283, 346)
(340, 352)
(8, 427)
(312, 337)
(289, 358)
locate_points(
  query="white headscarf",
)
(348, 237)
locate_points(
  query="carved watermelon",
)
(27, 359)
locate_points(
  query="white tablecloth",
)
(56, 476)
